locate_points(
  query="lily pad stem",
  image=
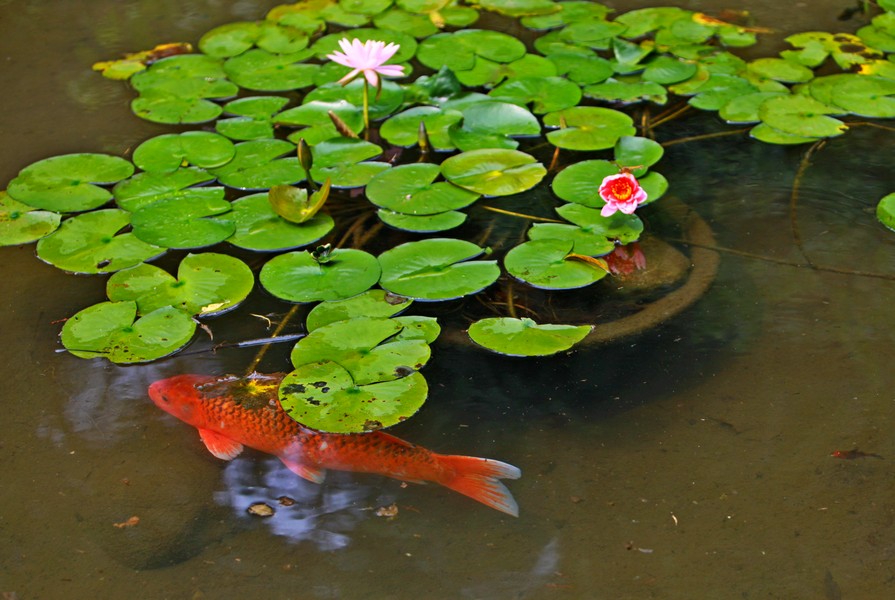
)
(521, 215)
(280, 326)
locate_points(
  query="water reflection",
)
(322, 514)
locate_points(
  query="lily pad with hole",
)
(801, 116)
(169, 152)
(259, 228)
(498, 172)
(263, 71)
(436, 269)
(411, 189)
(190, 221)
(207, 284)
(147, 188)
(403, 128)
(366, 347)
(252, 118)
(544, 264)
(70, 182)
(459, 51)
(588, 127)
(315, 123)
(324, 396)
(545, 94)
(91, 243)
(524, 337)
(300, 277)
(372, 303)
(22, 224)
(259, 165)
(109, 330)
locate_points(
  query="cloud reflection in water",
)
(323, 514)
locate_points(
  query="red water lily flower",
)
(621, 193)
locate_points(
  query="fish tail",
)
(478, 479)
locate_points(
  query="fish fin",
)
(220, 445)
(311, 473)
(478, 479)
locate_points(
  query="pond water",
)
(692, 460)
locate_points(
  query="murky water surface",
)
(692, 461)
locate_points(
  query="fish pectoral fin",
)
(220, 445)
(311, 473)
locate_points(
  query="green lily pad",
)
(363, 346)
(584, 241)
(814, 47)
(767, 134)
(315, 122)
(544, 264)
(570, 12)
(323, 396)
(185, 222)
(411, 189)
(867, 96)
(592, 33)
(436, 269)
(885, 211)
(801, 116)
(620, 227)
(381, 103)
(489, 73)
(299, 277)
(458, 51)
(408, 23)
(744, 109)
(524, 337)
(232, 39)
(403, 128)
(780, 69)
(259, 228)
(492, 125)
(108, 330)
(497, 172)
(171, 110)
(69, 183)
(719, 90)
(546, 94)
(666, 70)
(416, 327)
(90, 243)
(22, 224)
(582, 67)
(253, 118)
(520, 8)
(626, 92)
(422, 224)
(207, 284)
(580, 182)
(588, 128)
(637, 153)
(147, 188)
(168, 152)
(264, 71)
(372, 303)
(258, 165)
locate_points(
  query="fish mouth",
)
(157, 392)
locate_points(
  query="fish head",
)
(180, 395)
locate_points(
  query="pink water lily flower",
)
(622, 193)
(367, 58)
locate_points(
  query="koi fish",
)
(233, 412)
(853, 454)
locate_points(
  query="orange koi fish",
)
(233, 412)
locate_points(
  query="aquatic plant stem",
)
(664, 118)
(521, 215)
(280, 326)
(366, 110)
(794, 199)
(705, 136)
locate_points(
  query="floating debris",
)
(260, 509)
(286, 501)
(389, 512)
(132, 522)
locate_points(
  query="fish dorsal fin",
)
(311, 473)
(220, 445)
